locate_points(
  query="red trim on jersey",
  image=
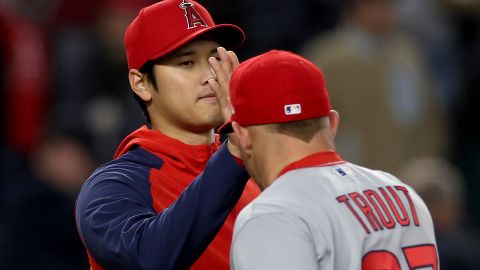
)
(159, 143)
(326, 158)
(238, 160)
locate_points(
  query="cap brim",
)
(225, 128)
(229, 36)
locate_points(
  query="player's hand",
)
(223, 70)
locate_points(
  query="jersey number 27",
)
(416, 256)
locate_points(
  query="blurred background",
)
(403, 74)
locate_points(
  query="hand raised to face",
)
(223, 70)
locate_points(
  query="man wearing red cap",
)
(169, 198)
(316, 210)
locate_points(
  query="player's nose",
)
(207, 73)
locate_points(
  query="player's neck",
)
(282, 153)
(186, 136)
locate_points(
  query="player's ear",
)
(139, 84)
(334, 119)
(244, 137)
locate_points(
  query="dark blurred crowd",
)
(403, 74)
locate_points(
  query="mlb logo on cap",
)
(277, 87)
(293, 109)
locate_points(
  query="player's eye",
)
(186, 63)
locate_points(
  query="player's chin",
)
(206, 124)
(211, 116)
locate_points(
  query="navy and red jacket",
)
(163, 204)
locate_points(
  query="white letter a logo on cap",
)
(193, 17)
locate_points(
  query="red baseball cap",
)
(167, 25)
(276, 87)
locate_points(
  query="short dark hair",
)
(147, 70)
(303, 129)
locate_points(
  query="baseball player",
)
(316, 210)
(169, 198)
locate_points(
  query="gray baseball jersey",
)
(324, 213)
